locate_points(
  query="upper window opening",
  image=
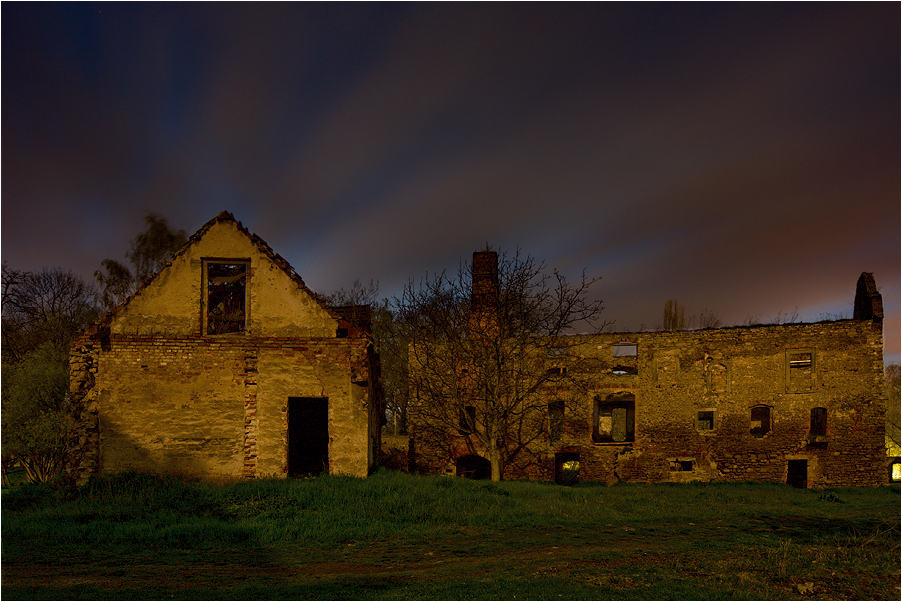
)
(614, 419)
(760, 421)
(625, 349)
(818, 422)
(556, 351)
(226, 296)
(800, 370)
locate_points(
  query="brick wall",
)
(724, 373)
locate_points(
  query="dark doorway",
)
(308, 436)
(474, 467)
(797, 473)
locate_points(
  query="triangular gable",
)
(195, 239)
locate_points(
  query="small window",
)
(467, 420)
(556, 352)
(625, 349)
(760, 421)
(226, 296)
(555, 420)
(682, 466)
(704, 420)
(614, 419)
(818, 422)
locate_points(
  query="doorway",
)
(797, 473)
(308, 436)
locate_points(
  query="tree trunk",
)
(495, 461)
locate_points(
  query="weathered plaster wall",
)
(171, 303)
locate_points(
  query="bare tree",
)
(485, 347)
(51, 305)
(148, 253)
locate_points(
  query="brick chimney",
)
(868, 301)
(485, 291)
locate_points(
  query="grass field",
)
(398, 536)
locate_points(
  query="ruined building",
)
(225, 365)
(791, 403)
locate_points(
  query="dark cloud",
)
(742, 159)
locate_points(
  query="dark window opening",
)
(620, 369)
(818, 422)
(555, 420)
(226, 297)
(682, 465)
(705, 420)
(560, 371)
(467, 420)
(566, 468)
(474, 467)
(614, 419)
(760, 421)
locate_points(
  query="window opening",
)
(818, 422)
(614, 419)
(625, 349)
(800, 370)
(467, 421)
(682, 466)
(226, 297)
(705, 420)
(760, 421)
(555, 420)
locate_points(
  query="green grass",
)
(399, 536)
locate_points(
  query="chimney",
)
(868, 302)
(485, 291)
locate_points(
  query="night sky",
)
(743, 159)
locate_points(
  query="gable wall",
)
(155, 394)
(171, 303)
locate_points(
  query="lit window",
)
(226, 283)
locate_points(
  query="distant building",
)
(226, 365)
(792, 403)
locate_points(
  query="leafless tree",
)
(483, 356)
(49, 306)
